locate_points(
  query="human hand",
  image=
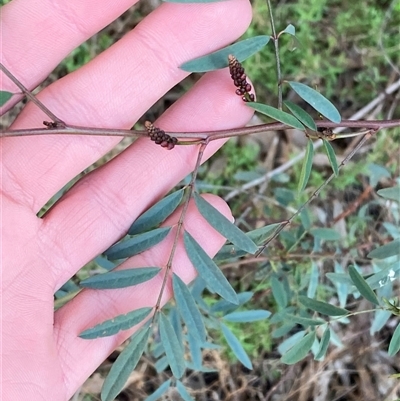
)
(43, 357)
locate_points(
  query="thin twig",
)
(275, 38)
(179, 226)
(315, 194)
(31, 97)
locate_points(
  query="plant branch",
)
(316, 193)
(31, 97)
(209, 135)
(275, 38)
(180, 225)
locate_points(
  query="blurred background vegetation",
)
(350, 52)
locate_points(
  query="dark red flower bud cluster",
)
(240, 79)
(160, 137)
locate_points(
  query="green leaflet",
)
(394, 345)
(208, 270)
(5, 97)
(173, 348)
(362, 286)
(115, 325)
(290, 29)
(279, 293)
(224, 226)
(160, 391)
(157, 213)
(277, 115)
(323, 347)
(299, 350)
(124, 365)
(326, 234)
(247, 316)
(392, 193)
(317, 101)
(219, 59)
(188, 309)
(386, 251)
(322, 307)
(307, 166)
(301, 115)
(120, 278)
(236, 347)
(304, 321)
(331, 157)
(137, 244)
(183, 392)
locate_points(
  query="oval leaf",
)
(299, 350)
(307, 166)
(208, 270)
(331, 157)
(5, 97)
(120, 278)
(290, 29)
(225, 306)
(236, 347)
(362, 286)
(392, 193)
(322, 307)
(317, 101)
(219, 59)
(279, 293)
(394, 345)
(386, 251)
(224, 226)
(247, 316)
(137, 244)
(277, 115)
(124, 365)
(304, 321)
(188, 309)
(326, 234)
(173, 348)
(323, 347)
(157, 213)
(301, 115)
(115, 325)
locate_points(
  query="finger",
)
(41, 33)
(92, 307)
(101, 207)
(114, 90)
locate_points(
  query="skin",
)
(42, 356)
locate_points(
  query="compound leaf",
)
(219, 59)
(123, 366)
(317, 101)
(137, 244)
(224, 226)
(113, 326)
(157, 213)
(208, 270)
(120, 278)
